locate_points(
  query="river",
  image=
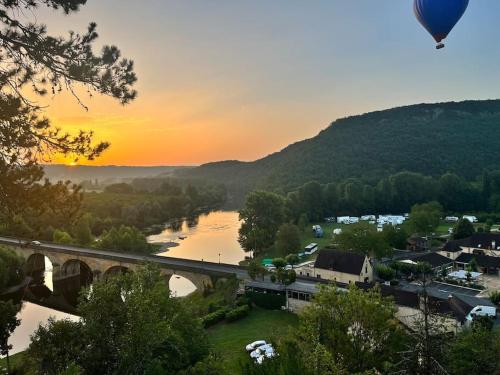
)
(211, 237)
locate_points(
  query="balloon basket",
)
(440, 46)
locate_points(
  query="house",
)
(342, 266)
(486, 264)
(478, 243)
(436, 261)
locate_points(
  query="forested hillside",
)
(432, 139)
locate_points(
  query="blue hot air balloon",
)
(439, 16)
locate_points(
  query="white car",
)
(36, 243)
(254, 345)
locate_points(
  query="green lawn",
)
(230, 339)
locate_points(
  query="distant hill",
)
(431, 139)
(104, 174)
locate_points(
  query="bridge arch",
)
(34, 265)
(77, 269)
(115, 271)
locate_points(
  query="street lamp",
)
(219, 258)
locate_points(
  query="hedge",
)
(267, 300)
(213, 318)
(237, 313)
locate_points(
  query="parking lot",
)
(453, 289)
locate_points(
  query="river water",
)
(211, 237)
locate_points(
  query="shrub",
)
(244, 300)
(385, 273)
(495, 297)
(237, 313)
(213, 318)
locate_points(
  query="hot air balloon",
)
(439, 16)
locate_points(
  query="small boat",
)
(182, 237)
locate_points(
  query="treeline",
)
(128, 204)
(396, 194)
(114, 219)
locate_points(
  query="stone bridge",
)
(70, 262)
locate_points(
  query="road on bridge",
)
(167, 262)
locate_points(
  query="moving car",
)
(36, 243)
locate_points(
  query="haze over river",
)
(212, 237)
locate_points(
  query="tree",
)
(292, 259)
(11, 268)
(463, 229)
(356, 329)
(32, 59)
(129, 325)
(288, 239)
(62, 237)
(279, 263)
(261, 218)
(395, 236)
(8, 323)
(424, 218)
(386, 273)
(475, 351)
(255, 269)
(82, 232)
(56, 345)
(428, 336)
(126, 239)
(363, 238)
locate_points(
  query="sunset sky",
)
(239, 79)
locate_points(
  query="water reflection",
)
(212, 237)
(54, 289)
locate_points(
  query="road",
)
(167, 262)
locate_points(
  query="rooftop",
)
(340, 261)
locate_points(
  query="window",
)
(318, 276)
(448, 255)
(366, 269)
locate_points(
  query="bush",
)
(495, 297)
(237, 313)
(213, 318)
(244, 300)
(385, 273)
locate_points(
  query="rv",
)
(343, 220)
(471, 218)
(311, 248)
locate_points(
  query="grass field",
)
(230, 339)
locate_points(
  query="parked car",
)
(488, 311)
(254, 345)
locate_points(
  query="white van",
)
(488, 311)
